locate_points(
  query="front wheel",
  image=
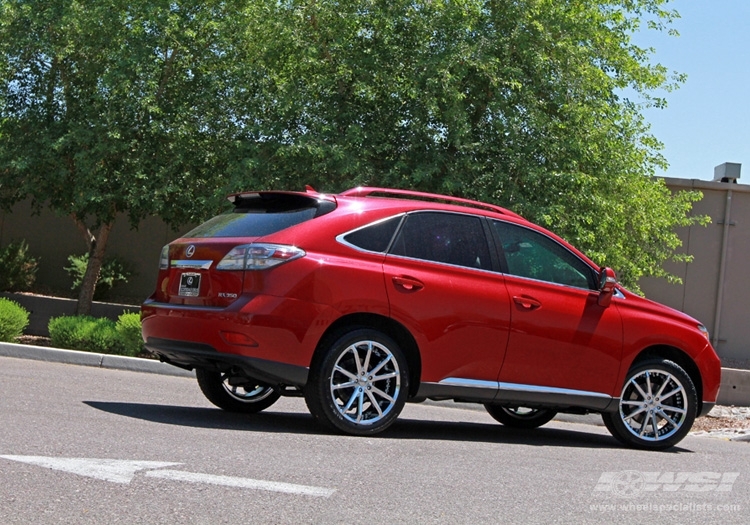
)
(359, 384)
(657, 407)
(227, 393)
(520, 417)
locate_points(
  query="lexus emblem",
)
(190, 251)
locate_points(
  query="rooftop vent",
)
(727, 172)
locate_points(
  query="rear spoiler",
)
(280, 201)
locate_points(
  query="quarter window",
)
(530, 254)
(374, 237)
(445, 238)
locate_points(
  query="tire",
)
(359, 384)
(520, 417)
(657, 406)
(249, 398)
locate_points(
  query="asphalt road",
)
(90, 445)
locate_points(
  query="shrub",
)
(114, 271)
(13, 319)
(18, 267)
(128, 328)
(90, 334)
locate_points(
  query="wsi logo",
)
(630, 483)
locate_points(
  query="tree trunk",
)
(97, 246)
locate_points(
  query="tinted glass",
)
(536, 256)
(250, 223)
(375, 237)
(444, 237)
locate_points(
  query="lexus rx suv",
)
(362, 301)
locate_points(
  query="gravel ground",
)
(36, 340)
(724, 417)
(731, 423)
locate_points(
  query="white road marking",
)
(245, 483)
(114, 470)
(123, 471)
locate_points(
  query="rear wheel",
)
(520, 417)
(657, 408)
(360, 383)
(233, 394)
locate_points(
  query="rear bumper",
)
(261, 327)
(189, 355)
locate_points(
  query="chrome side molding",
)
(514, 393)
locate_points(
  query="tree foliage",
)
(160, 107)
(516, 102)
(114, 107)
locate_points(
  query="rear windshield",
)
(259, 214)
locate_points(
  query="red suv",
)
(365, 300)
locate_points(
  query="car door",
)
(560, 337)
(442, 285)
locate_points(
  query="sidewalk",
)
(74, 357)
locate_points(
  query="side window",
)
(448, 238)
(374, 237)
(536, 256)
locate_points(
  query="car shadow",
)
(212, 418)
(402, 429)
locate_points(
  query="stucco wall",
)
(52, 239)
(718, 300)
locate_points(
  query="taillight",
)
(259, 256)
(164, 258)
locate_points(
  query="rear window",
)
(259, 214)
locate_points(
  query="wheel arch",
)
(388, 326)
(679, 357)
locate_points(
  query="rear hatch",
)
(207, 266)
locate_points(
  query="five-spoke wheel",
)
(233, 395)
(657, 406)
(359, 384)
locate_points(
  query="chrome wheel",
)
(358, 382)
(365, 383)
(246, 393)
(657, 406)
(653, 405)
(521, 412)
(520, 417)
(235, 394)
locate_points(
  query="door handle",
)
(527, 303)
(408, 284)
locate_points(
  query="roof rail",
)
(367, 191)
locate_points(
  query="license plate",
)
(190, 284)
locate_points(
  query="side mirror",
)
(607, 282)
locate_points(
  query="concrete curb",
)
(74, 357)
(735, 388)
(735, 384)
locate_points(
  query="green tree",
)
(157, 107)
(518, 102)
(113, 108)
